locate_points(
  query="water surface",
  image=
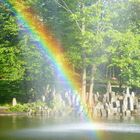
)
(43, 128)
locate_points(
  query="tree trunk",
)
(83, 57)
(90, 100)
(84, 85)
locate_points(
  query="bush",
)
(19, 108)
(26, 107)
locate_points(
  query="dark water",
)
(43, 128)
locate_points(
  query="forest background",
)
(100, 38)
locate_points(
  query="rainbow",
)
(46, 41)
(49, 44)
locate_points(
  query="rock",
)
(14, 102)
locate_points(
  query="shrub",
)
(26, 107)
(19, 108)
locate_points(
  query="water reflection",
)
(42, 128)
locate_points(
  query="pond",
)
(43, 128)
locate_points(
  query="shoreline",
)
(13, 114)
(4, 112)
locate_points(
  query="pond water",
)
(43, 128)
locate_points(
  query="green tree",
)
(11, 65)
(24, 71)
(82, 27)
(124, 44)
(93, 21)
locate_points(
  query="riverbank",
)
(4, 111)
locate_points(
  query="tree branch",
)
(65, 6)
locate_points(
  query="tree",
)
(11, 65)
(84, 39)
(93, 19)
(124, 44)
(22, 66)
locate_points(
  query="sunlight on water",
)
(39, 128)
(70, 128)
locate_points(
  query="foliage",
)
(57, 102)
(22, 66)
(125, 44)
(19, 108)
(94, 35)
(10, 64)
(27, 107)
